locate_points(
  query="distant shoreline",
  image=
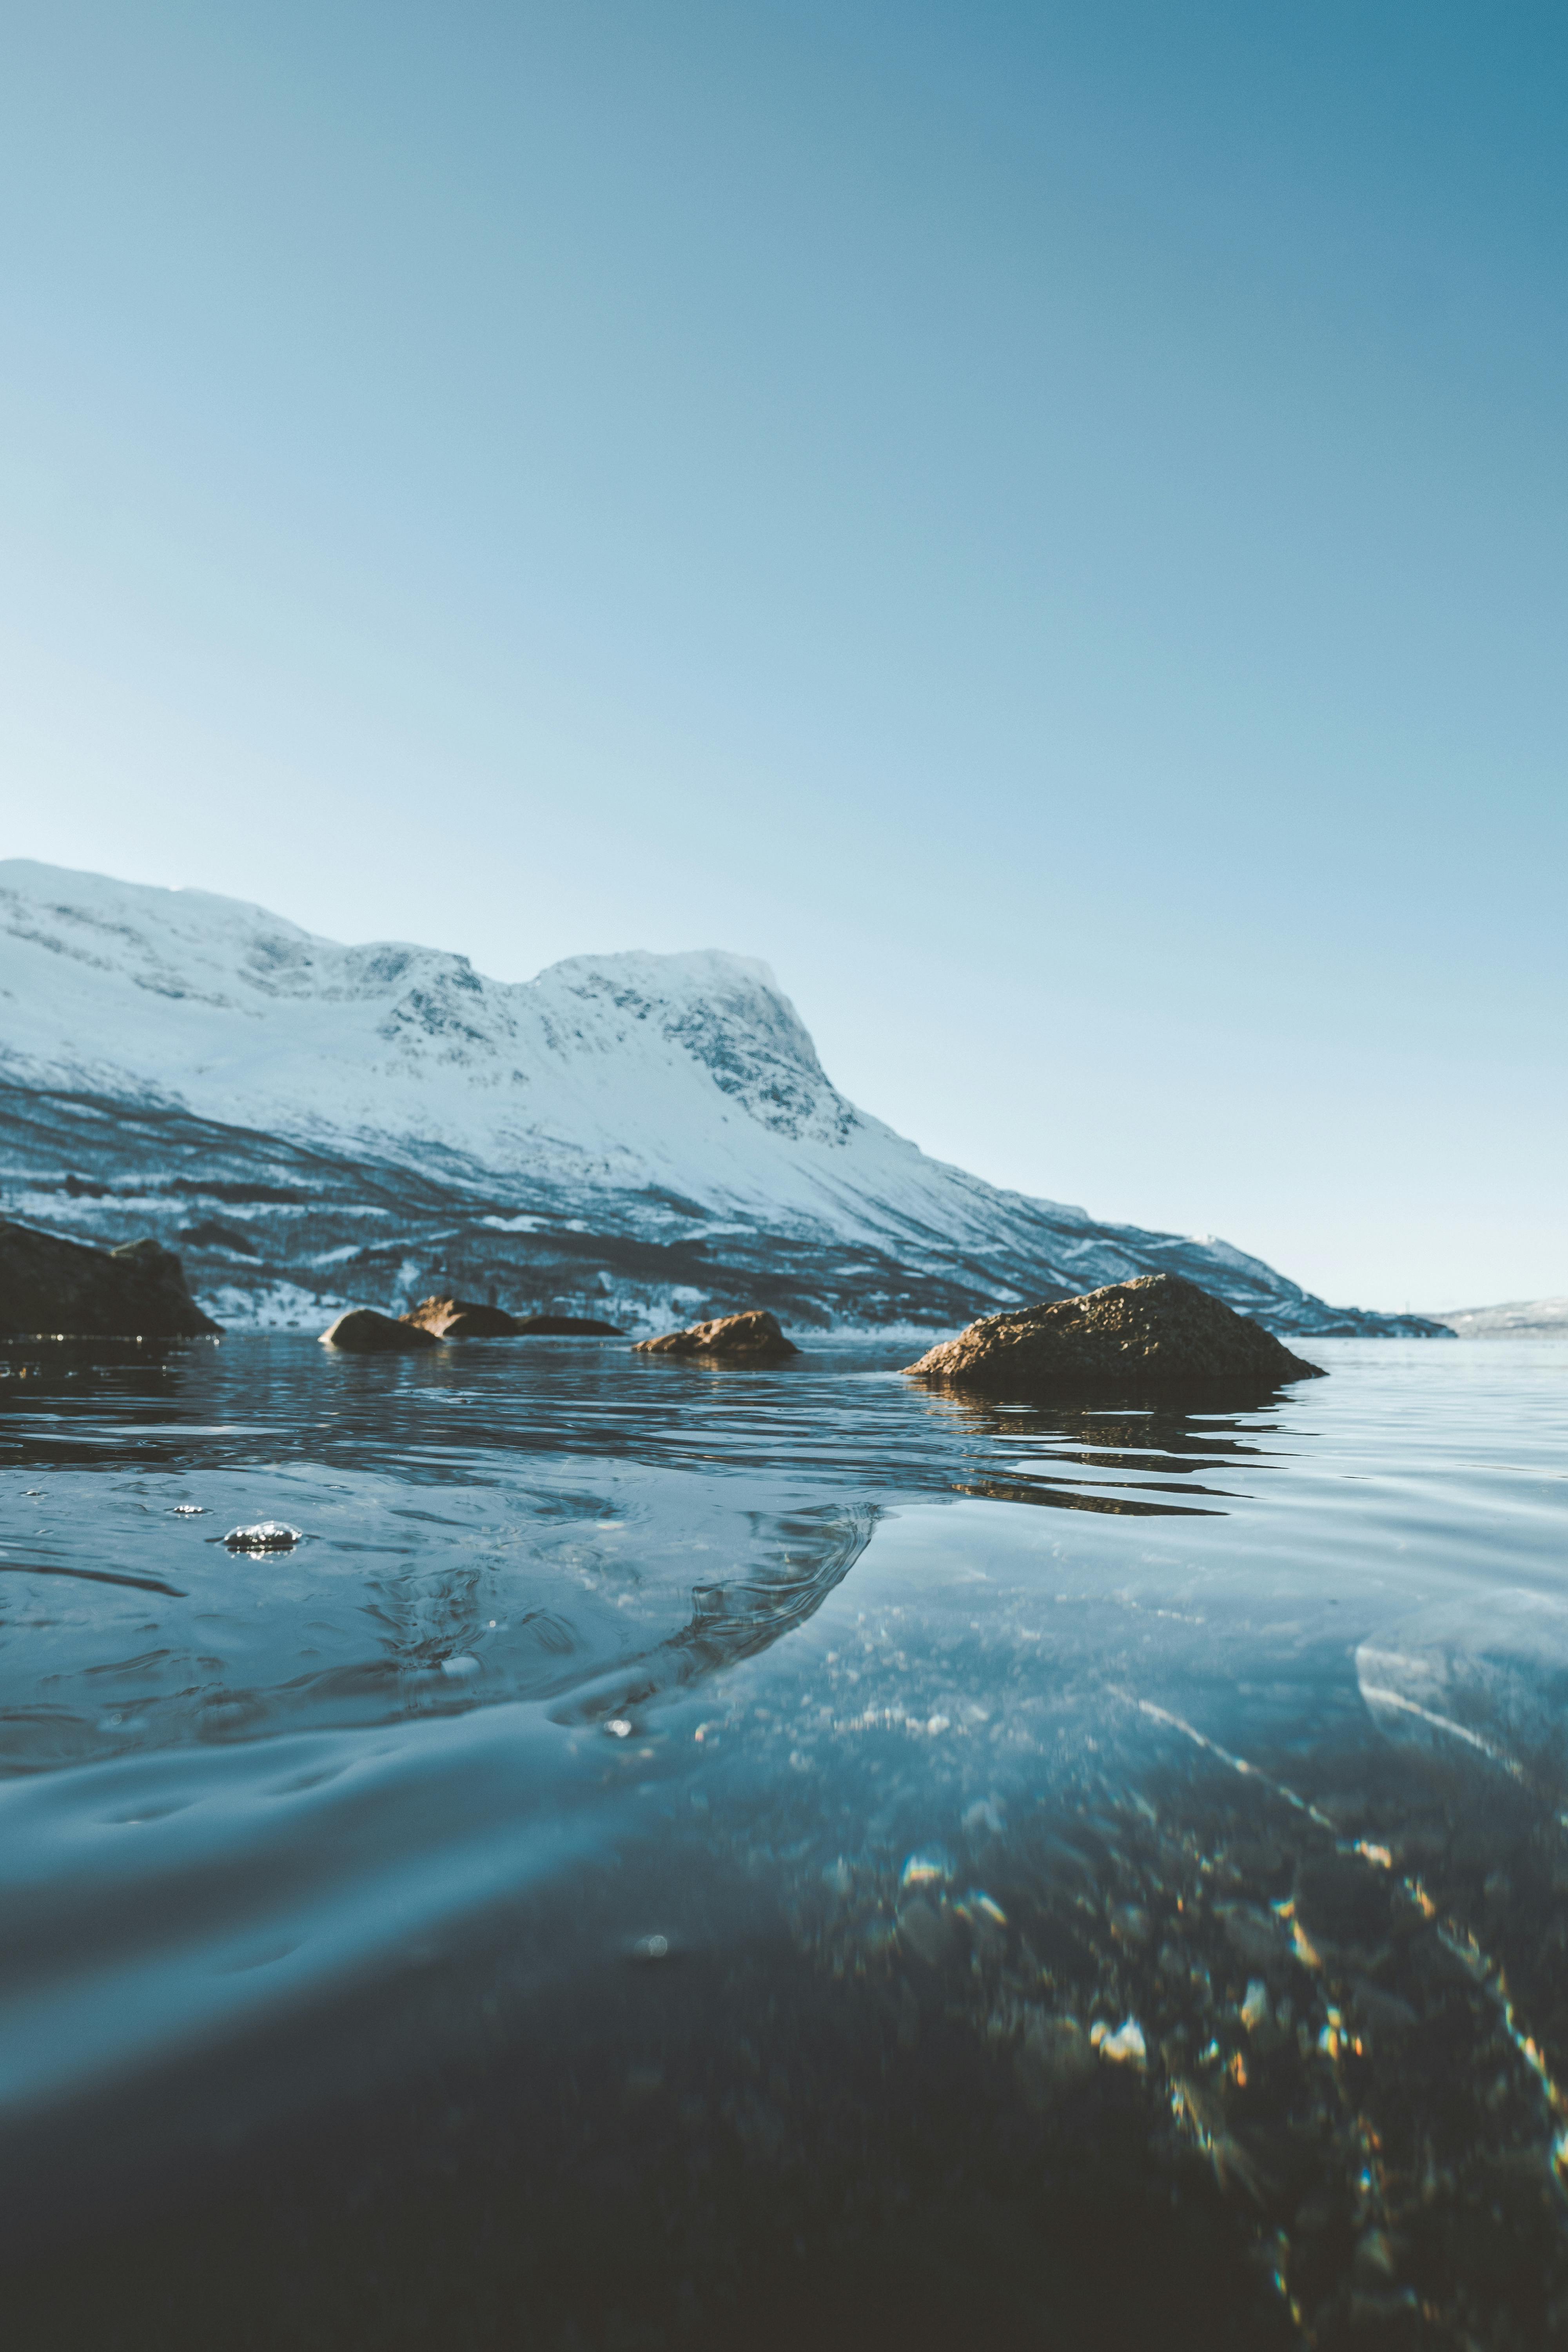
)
(1526, 1318)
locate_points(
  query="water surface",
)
(666, 1844)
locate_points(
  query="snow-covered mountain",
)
(310, 1123)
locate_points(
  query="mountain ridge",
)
(655, 1131)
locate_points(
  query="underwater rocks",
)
(58, 1289)
(363, 1331)
(464, 1318)
(1158, 1337)
(755, 1338)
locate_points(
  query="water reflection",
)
(1101, 1460)
(479, 1528)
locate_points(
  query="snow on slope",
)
(607, 1079)
(689, 1073)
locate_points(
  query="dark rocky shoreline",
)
(55, 1288)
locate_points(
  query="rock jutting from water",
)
(460, 1319)
(1158, 1337)
(567, 1326)
(55, 1288)
(465, 1318)
(366, 1331)
(753, 1339)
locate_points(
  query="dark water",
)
(676, 1858)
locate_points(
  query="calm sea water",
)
(669, 1856)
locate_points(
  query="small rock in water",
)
(752, 1339)
(1255, 2009)
(366, 1331)
(466, 1319)
(267, 1535)
(1125, 2047)
(1157, 1336)
(926, 1932)
(189, 1510)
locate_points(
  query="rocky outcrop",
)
(753, 1339)
(51, 1287)
(463, 1319)
(1159, 1337)
(365, 1332)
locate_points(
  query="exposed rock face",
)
(50, 1286)
(463, 1319)
(753, 1339)
(1158, 1337)
(363, 1331)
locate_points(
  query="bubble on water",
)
(267, 1535)
(618, 1727)
(459, 1668)
(651, 1947)
(926, 1868)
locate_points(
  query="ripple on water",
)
(1187, 1786)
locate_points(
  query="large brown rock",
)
(51, 1287)
(366, 1331)
(753, 1339)
(1159, 1337)
(464, 1318)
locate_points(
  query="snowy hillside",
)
(308, 1121)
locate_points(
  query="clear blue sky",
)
(1047, 523)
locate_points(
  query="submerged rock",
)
(464, 1318)
(1158, 1337)
(58, 1289)
(755, 1338)
(366, 1331)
